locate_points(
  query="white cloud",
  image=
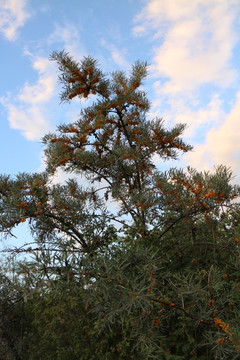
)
(197, 40)
(118, 55)
(31, 109)
(193, 49)
(119, 58)
(13, 15)
(222, 145)
(30, 121)
(69, 36)
(198, 120)
(43, 89)
(27, 111)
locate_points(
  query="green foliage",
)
(137, 263)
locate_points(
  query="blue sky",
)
(192, 47)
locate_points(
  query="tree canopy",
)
(128, 261)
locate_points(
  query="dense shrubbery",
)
(137, 264)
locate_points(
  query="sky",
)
(193, 52)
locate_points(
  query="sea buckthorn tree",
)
(152, 254)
